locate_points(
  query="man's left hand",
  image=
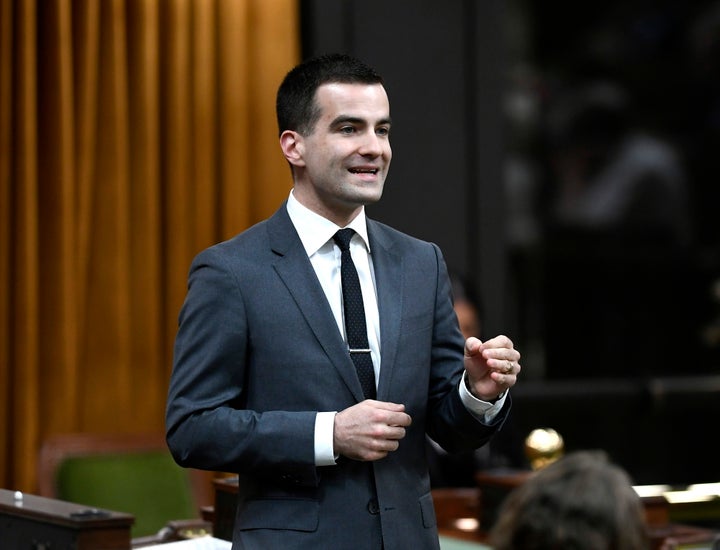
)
(492, 366)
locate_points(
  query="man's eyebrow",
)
(343, 119)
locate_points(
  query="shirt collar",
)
(315, 231)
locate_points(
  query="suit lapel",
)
(298, 275)
(388, 268)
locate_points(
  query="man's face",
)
(344, 162)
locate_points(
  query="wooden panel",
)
(32, 521)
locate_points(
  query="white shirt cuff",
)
(482, 410)
(324, 430)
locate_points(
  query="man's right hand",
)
(369, 430)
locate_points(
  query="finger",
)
(391, 414)
(500, 356)
(512, 367)
(500, 341)
(386, 405)
(387, 445)
(472, 346)
(501, 365)
(503, 380)
(401, 420)
(395, 433)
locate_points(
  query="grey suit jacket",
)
(258, 353)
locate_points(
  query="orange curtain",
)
(134, 133)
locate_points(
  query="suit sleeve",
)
(207, 423)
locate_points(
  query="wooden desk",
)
(45, 523)
(223, 514)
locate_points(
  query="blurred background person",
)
(617, 238)
(582, 501)
(610, 176)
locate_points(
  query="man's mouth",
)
(364, 170)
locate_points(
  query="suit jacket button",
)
(373, 507)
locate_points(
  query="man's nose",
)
(372, 144)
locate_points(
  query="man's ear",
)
(293, 147)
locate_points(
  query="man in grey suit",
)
(263, 382)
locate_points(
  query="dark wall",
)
(599, 373)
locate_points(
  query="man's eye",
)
(383, 131)
(347, 130)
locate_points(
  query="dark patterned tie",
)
(355, 326)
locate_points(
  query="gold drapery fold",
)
(134, 133)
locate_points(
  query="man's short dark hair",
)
(295, 103)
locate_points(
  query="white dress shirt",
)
(316, 234)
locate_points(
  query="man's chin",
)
(369, 196)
